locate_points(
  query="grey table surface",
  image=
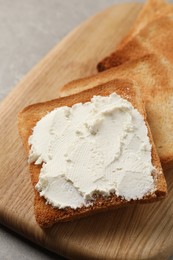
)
(29, 29)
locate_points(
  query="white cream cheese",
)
(99, 147)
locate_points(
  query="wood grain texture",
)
(137, 232)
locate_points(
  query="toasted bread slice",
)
(45, 214)
(152, 10)
(148, 73)
(155, 38)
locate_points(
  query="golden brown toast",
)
(155, 38)
(45, 214)
(152, 10)
(154, 76)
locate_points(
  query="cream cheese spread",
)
(98, 147)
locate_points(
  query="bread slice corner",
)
(152, 15)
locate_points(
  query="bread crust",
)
(45, 214)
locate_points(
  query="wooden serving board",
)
(137, 232)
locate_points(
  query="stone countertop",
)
(29, 29)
